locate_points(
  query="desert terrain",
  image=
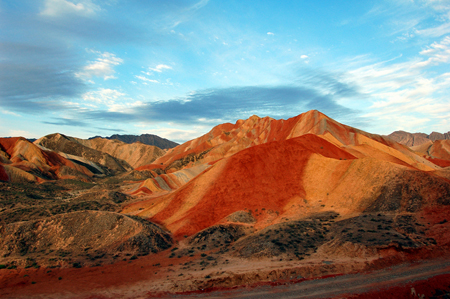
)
(259, 208)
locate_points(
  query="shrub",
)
(76, 265)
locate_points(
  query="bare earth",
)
(333, 287)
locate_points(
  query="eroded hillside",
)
(258, 200)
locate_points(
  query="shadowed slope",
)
(148, 139)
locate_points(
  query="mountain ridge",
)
(282, 197)
(148, 139)
(416, 139)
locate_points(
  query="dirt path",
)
(335, 286)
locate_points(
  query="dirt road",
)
(339, 285)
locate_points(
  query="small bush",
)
(76, 265)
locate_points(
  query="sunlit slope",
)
(291, 179)
(22, 160)
(287, 169)
(135, 154)
(227, 139)
(71, 146)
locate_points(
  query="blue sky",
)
(176, 68)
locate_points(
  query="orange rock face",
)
(283, 169)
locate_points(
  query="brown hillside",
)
(22, 160)
(135, 154)
(409, 139)
(81, 235)
(71, 146)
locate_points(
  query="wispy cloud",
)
(160, 67)
(406, 93)
(145, 79)
(184, 14)
(102, 67)
(438, 53)
(443, 10)
(103, 96)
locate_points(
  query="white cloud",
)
(145, 79)
(438, 53)
(103, 67)
(9, 112)
(114, 100)
(304, 56)
(270, 33)
(160, 67)
(406, 95)
(103, 96)
(55, 8)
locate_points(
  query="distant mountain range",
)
(415, 139)
(148, 139)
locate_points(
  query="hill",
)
(148, 139)
(21, 160)
(109, 156)
(416, 139)
(257, 200)
(435, 147)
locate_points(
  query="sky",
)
(177, 68)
